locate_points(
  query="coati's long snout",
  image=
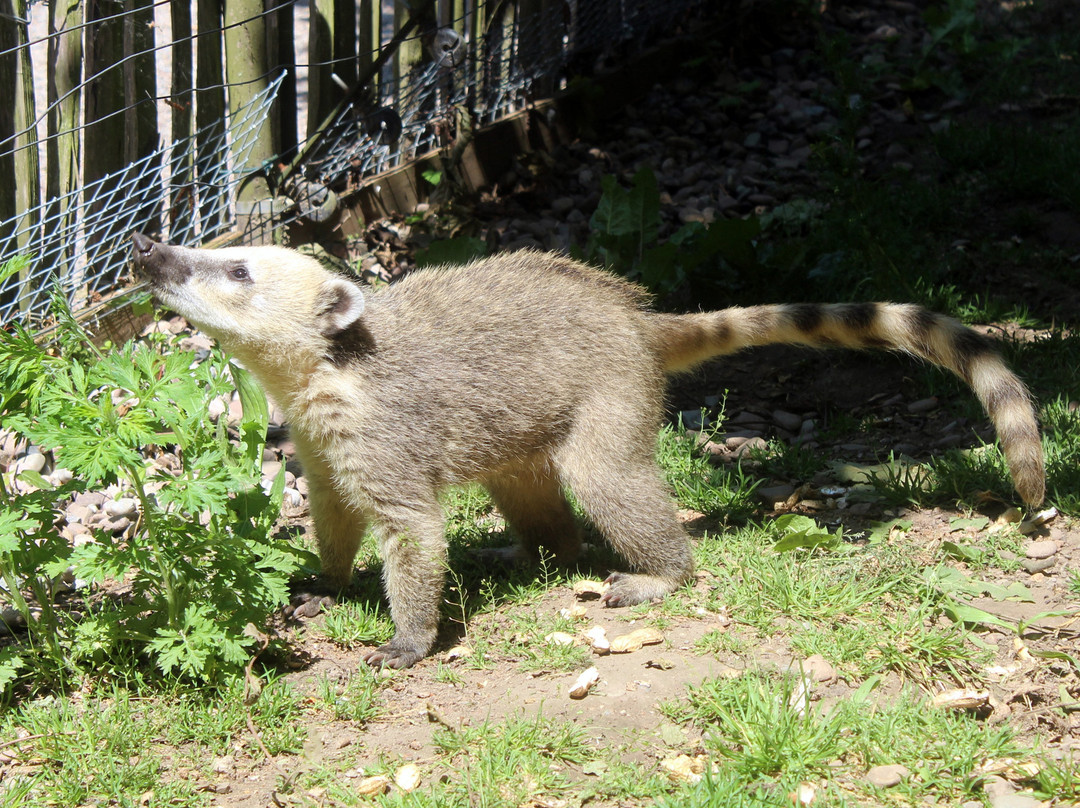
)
(160, 262)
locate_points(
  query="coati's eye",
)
(239, 272)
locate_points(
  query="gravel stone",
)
(787, 420)
(887, 776)
(121, 508)
(1041, 549)
(1034, 565)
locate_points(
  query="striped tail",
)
(683, 341)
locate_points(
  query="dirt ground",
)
(622, 708)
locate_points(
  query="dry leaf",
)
(961, 699)
(584, 683)
(635, 639)
(407, 778)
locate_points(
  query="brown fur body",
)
(528, 373)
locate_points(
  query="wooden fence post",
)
(332, 49)
(182, 212)
(140, 112)
(247, 69)
(62, 146)
(369, 38)
(280, 33)
(18, 149)
(103, 152)
(211, 162)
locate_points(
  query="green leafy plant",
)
(199, 564)
(625, 237)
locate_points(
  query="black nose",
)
(143, 244)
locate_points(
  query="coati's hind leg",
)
(535, 508)
(628, 502)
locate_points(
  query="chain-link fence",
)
(194, 121)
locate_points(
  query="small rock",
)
(61, 476)
(887, 776)
(787, 420)
(923, 405)
(1033, 566)
(1041, 549)
(117, 525)
(30, 462)
(995, 786)
(1016, 801)
(819, 669)
(223, 765)
(771, 494)
(121, 508)
(693, 419)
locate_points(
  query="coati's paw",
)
(628, 590)
(308, 604)
(395, 654)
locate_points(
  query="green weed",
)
(355, 699)
(201, 562)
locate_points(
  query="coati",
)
(530, 373)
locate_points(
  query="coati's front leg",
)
(413, 549)
(339, 527)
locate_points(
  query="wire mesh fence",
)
(174, 149)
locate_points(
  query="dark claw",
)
(389, 656)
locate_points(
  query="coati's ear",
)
(338, 305)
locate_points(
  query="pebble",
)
(887, 776)
(749, 445)
(125, 508)
(787, 420)
(30, 462)
(1015, 801)
(1041, 549)
(771, 494)
(923, 405)
(819, 669)
(1036, 565)
(61, 476)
